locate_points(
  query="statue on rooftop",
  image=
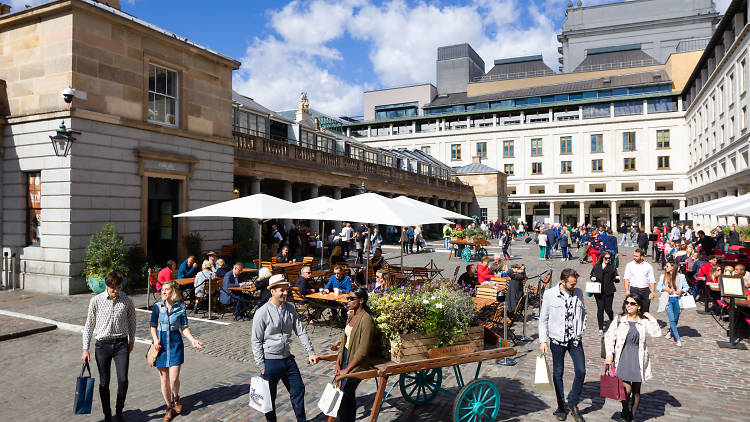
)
(304, 104)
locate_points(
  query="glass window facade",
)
(566, 145)
(628, 108)
(250, 123)
(662, 138)
(566, 166)
(482, 149)
(33, 208)
(628, 141)
(395, 111)
(455, 152)
(162, 95)
(629, 164)
(509, 169)
(662, 105)
(536, 168)
(595, 111)
(597, 165)
(508, 149)
(536, 146)
(597, 143)
(662, 162)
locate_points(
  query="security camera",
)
(68, 94)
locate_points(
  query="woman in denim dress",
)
(168, 323)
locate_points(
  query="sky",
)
(336, 49)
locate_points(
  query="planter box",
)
(417, 346)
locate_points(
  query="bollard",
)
(148, 290)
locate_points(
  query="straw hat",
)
(211, 253)
(277, 280)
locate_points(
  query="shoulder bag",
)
(153, 351)
(611, 386)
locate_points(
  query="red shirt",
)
(164, 275)
(483, 273)
(705, 271)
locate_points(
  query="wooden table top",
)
(185, 281)
(341, 298)
(243, 289)
(250, 270)
(318, 273)
(286, 264)
(481, 302)
(429, 270)
(500, 279)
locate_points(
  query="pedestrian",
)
(446, 235)
(404, 240)
(551, 241)
(111, 320)
(418, 238)
(273, 325)
(633, 235)
(673, 284)
(505, 244)
(347, 234)
(604, 272)
(354, 351)
(168, 324)
(276, 240)
(564, 243)
(359, 247)
(642, 240)
(733, 238)
(562, 321)
(377, 240)
(542, 238)
(625, 344)
(623, 230)
(639, 279)
(410, 236)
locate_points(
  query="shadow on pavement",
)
(192, 402)
(654, 403)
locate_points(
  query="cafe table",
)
(330, 300)
(244, 289)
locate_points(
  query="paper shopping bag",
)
(687, 301)
(330, 400)
(611, 386)
(260, 395)
(663, 301)
(593, 287)
(542, 375)
(84, 392)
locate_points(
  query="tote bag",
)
(663, 301)
(84, 392)
(330, 400)
(260, 395)
(611, 386)
(542, 375)
(593, 287)
(687, 301)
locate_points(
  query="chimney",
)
(4, 9)
(476, 160)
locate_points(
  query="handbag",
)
(687, 301)
(330, 400)
(593, 287)
(663, 301)
(611, 386)
(84, 392)
(153, 352)
(260, 395)
(542, 374)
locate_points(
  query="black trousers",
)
(106, 351)
(604, 304)
(643, 293)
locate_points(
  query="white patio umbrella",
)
(319, 202)
(429, 208)
(741, 207)
(259, 207)
(717, 205)
(696, 208)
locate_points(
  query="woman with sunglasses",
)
(626, 347)
(353, 353)
(673, 284)
(604, 272)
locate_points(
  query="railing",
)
(516, 75)
(619, 65)
(692, 45)
(259, 148)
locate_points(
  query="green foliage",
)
(744, 232)
(194, 246)
(480, 234)
(137, 262)
(459, 234)
(448, 313)
(245, 233)
(105, 253)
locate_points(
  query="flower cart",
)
(469, 248)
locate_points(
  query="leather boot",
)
(106, 407)
(170, 413)
(177, 403)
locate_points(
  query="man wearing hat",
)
(273, 325)
(212, 257)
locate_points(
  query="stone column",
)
(581, 213)
(523, 212)
(337, 195)
(441, 203)
(647, 218)
(315, 224)
(288, 196)
(552, 212)
(255, 185)
(613, 225)
(683, 216)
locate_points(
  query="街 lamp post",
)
(62, 141)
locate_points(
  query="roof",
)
(292, 114)
(612, 58)
(475, 168)
(650, 77)
(251, 104)
(518, 67)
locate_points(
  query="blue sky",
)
(336, 49)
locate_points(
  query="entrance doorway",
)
(163, 203)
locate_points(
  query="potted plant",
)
(470, 233)
(457, 234)
(194, 246)
(137, 265)
(480, 234)
(105, 253)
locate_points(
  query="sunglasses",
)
(351, 298)
(630, 302)
(607, 257)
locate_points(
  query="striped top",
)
(109, 318)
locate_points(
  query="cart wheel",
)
(481, 253)
(478, 401)
(466, 254)
(419, 388)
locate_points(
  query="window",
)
(33, 207)
(402, 129)
(742, 76)
(744, 117)
(483, 214)
(455, 152)
(597, 165)
(536, 168)
(253, 124)
(509, 169)
(629, 164)
(596, 110)
(730, 89)
(482, 149)
(597, 144)
(536, 146)
(162, 95)
(380, 131)
(627, 108)
(628, 141)
(427, 127)
(662, 138)
(662, 105)
(566, 145)
(426, 149)
(508, 149)
(731, 127)
(662, 162)
(566, 166)
(307, 139)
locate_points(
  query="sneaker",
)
(576, 413)
(679, 343)
(561, 414)
(669, 334)
(601, 332)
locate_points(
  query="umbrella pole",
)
(260, 241)
(322, 243)
(401, 244)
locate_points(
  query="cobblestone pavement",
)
(38, 371)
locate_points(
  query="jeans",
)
(624, 239)
(558, 367)
(564, 252)
(348, 407)
(548, 251)
(673, 313)
(106, 351)
(603, 304)
(287, 371)
(445, 242)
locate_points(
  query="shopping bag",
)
(687, 301)
(330, 400)
(542, 375)
(593, 287)
(260, 395)
(663, 301)
(611, 386)
(84, 392)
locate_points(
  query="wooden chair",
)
(154, 292)
(308, 311)
(273, 259)
(292, 273)
(202, 305)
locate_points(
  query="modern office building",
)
(716, 104)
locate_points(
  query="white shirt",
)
(347, 233)
(675, 234)
(641, 275)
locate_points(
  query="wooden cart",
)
(470, 248)
(420, 380)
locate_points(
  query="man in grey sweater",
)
(273, 325)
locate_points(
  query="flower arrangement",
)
(438, 307)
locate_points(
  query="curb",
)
(24, 333)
